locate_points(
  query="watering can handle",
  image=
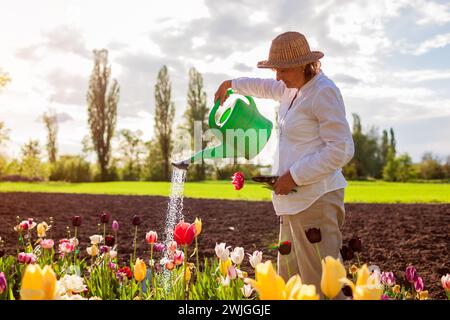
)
(212, 114)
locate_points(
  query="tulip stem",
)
(357, 257)
(318, 252)
(135, 239)
(184, 277)
(288, 269)
(196, 256)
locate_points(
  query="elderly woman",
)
(315, 142)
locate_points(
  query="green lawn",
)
(357, 191)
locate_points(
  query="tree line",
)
(124, 155)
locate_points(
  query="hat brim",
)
(313, 56)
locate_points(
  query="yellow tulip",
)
(38, 284)
(198, 226)
(268, 284)
(423, 295)
(353, 269)
(332, 272)
(140, 270)
(366, 287)
(308, 292)
(187, 278)
(293, 286)
(396, 289)
(223, 266)
(41, 229)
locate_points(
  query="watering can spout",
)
(182, 165)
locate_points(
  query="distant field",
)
(357, 191)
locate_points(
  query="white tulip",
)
(247, 290)
(237, 255)
(96, 239)
(255, 258)
(222, 252)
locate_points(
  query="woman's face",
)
(292, 77)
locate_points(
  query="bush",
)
(71, 169)
(226, 172)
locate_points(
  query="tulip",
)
(140, 270)
(104, 217)
(418, 284)
(366, 287)
(187, 276)
(411, 274)
(222, 252)
(112, 254)
(284, 248)
(247, 290)
(38, 284)
(313, 235)
(136, 220)
(396, 289)
(26, 258)
(76, 221)
(225, 282)
(224, 265)
(178, 257)
(41, 229)
(307, 292)
(385, 297)
(124, 272)
(184, 233)
(3, 282)
(445, 280)
(47, 243)
(115, 226)
(355, 244)
(151, 237)
(332, 272)
(237, 255)
(346, 253)
(387, 278)
(255, 258)
(238, 180)
(347, 291)
(353, 269)
(159, 247)
(104, 249)
(232, 272)
(92, 250)
(66, 246)
(172, 246)
(198, 226)
(110, 240)
(267, 283)
(423, 295)
(96, 239)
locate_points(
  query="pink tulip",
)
(151, 237)
(159, 247)
(445, 280)
(47, 243)
(387, 278)
(172, 246)
(178, 257)
(411, 274)
(238, 180)
(26, 258)
(66, 246)
(3, 282)
(115, 226)
(418, 284)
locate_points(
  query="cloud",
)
(63, 117)
(68, 88)
(438, 41)
(422, 75)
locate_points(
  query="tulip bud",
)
(255, 258)
(159, 247)
(178, 257)
(332, 273)
(355, 244)
(76, 221)
(347, 291)
(151, 237)
(136, 220)
(115, 226)
(110, 240)
(313, 235)
(411, 274)
(445, 280)
(238, 180)
(247, 290)
(140, 270)
(284, 248)
(237, 255)
(104, 217)
(396, 289)
(418, 284)
(198, 226)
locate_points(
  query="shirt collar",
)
(310, 82)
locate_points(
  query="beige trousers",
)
(327, 213)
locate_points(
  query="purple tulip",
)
(158, 247)
(313, 235)
(388, 278)
(355, 244)
(136, 220)
(110, 240)
(418, 284)
(3, 283)
(385, 297)
(76, 221)
(104, 217)
(104, 249)
(115, 226)
(346, 253)
(411, 274)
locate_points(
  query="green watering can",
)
(242, 130)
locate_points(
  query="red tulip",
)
(238, 180)
(184, 233)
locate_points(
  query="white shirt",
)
(315, 139)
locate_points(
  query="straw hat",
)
(289, 50)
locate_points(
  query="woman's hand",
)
(221, 92)
(284, 184)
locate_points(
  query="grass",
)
(357, 191)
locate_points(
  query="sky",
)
(390, 59)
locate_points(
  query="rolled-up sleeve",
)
(334, 131)
(259, 88)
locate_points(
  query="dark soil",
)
(393, 235)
